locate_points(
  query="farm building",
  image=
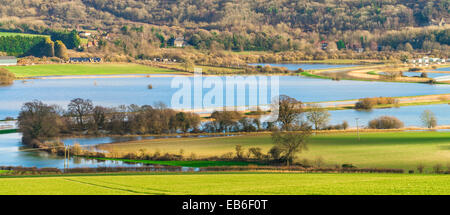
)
(179, 42)
(8, 61)
(85, 60)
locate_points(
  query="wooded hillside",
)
(253, 25)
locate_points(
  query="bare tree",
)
(38, 120)
(289, 110)
(318, 116)
(289, 143)
(429, 119)
(80, 109)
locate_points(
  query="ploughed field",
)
(404, 150)
(228, 183)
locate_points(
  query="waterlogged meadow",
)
(126, 91)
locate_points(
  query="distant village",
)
(426, 61)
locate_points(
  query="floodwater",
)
(294, 67)
(126, 91)
(13, 153)
(134, 90)
(409, 115)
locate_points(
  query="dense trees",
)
(70, 38)
(21, 45)
(60, 50)
(216, 25)
(38, 46)
(38, 121)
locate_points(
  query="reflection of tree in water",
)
(77, 160)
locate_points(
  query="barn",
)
(8, 61)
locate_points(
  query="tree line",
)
(41, 121)
(38, 46)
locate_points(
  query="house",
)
(84, 60)
(179, 42)
(427, 61)
(84, 34)
(324, 45)
(441, 22)
(8, 61)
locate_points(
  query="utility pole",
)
(65, 157)
(357, 128)
(68, 156)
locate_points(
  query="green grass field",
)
(403, 150)
(8, 131)
(86, 69)
(228, 183)
(4, 34)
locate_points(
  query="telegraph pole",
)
(68, 156)
(65, 157)
(357, 128)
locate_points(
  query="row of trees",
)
(38, 46)
(40, 121)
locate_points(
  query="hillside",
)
(309, 15)
(140, 27)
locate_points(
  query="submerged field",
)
(228, 183)
(403, 150)
(85, 69)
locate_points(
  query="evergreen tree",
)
(60, 49)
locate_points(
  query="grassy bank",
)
(86, 69)
(8, 131)
(404, 150)
(228, 183)
(198, 163)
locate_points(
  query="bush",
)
(369, 103)
(420, 168)
(437, 168)
(385, 122)
(415, 69)
(348, 166)
(6, 77)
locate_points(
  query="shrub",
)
(319, 162)
(348, 166)
(420, 167)
(437, 168)
(415, 69)
(345, 125)
(369, 103)
(275, 152)
(6, 77)
(385, 122)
